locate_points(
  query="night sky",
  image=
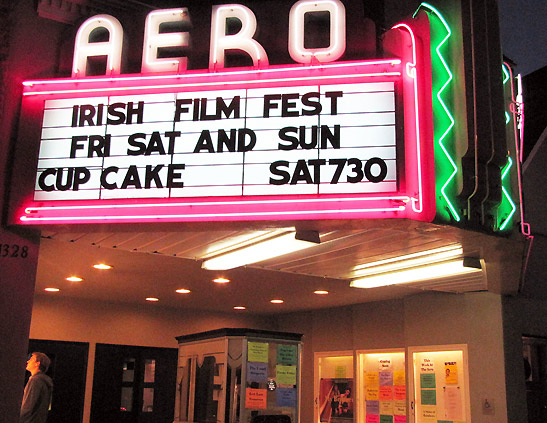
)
(524, 33)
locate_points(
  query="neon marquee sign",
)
(330, 140)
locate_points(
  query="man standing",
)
(37, 396)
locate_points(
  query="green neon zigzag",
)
(505, 79)
(514, 208)
(508, 166)
(445, 108)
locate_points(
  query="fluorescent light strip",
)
(223, 247)
(392, 62)
(273, 247)
(438, 270)
(409, 260)
(435, 258)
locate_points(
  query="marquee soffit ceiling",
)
(155, 264)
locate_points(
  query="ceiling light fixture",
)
(421, 273)
(102, 266)
(277, 244)
(183, 291)
(321, 292)
(221, 280)
(240, 308)
(277, 301)
(74, 279)
(408, 260)
(152, 299)
(52, 289)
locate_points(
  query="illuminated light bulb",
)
(74, 279)
(277, 301)
(221, 280)
(321, 292)
(52, 289)
(152, 299)
(240, 308)
(183, 291)
(102, 266)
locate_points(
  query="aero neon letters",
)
(85, 48)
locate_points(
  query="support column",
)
(18, 262)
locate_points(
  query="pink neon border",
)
(287, 207)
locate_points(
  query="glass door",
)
(334, 387)
(381, 383)
(439, 384)
(535, 375)
(133, 384)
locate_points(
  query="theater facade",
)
(367, 150)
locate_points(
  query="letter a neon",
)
(84, 48)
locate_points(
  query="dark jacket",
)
(36, 399)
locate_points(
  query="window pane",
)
(128, 370)
(205, 403)
(148, 400)
(149, 371)
(127, 399)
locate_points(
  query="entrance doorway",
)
(535, 374)
(334, 387)
(133, 384)
(68, 370)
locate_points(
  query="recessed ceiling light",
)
(221, 280)
(102, 266)
(152, 299)
(74, 279)
(183, 291)
(277, 301)
(52, 289)
(321, 292)
(240, 308)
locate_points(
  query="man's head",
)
(38, 362)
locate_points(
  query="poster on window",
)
(339, 395)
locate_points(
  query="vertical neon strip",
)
(412, 72)
(448, 129)
(506, 182)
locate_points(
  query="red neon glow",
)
(412, 72)
(407, 202)
(206, 75)
(332, 78)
